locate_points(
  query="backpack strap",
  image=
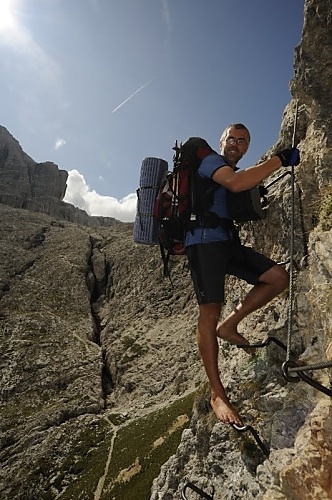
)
(165, 255)
(211, 220)
(208, 220)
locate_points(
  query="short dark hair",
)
(237, 126)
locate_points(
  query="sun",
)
(7, 17)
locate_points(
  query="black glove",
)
(289, 157)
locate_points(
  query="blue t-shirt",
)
(207, 168)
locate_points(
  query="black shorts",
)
(209, 263)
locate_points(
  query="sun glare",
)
(7, 18)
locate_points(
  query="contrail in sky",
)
(132, 95)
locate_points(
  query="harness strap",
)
(211, 220)
(165, 258)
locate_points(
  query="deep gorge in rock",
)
(103, 393)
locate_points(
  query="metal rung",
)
(317, 366)
(290, 366)
(265, 449)
(197, 490)
(265, 343)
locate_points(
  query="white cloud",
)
(59, 143)
(79, 194)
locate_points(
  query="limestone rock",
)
(23, 178)
(293, 419)
(39, 187)
(93, 335)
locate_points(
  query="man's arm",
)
(248, 178)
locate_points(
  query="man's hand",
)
(289, 157)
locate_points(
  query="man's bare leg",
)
(272, 282)
(208, 346)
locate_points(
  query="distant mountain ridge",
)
(98, 360)
(39, 187)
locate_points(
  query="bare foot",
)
(230, 335)
(234, 337)
(225, 412)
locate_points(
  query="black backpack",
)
(185, 198)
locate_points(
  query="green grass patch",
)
(77, 455)
(84, 464)
(20, 409)
(325, 211)
(142, 447)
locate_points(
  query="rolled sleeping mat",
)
(152, 173)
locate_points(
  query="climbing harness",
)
(192, 487)
(292, 372)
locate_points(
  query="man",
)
(213, 253)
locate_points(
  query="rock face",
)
(23, 179)
(294, 419)
(39, 187)
(93, 340)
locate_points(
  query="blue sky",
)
(95, 86)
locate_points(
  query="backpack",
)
(184, 198)
(247, 205)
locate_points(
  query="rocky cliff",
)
(38, 187)
(22, 179)
(290, 416)
(99, 366)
